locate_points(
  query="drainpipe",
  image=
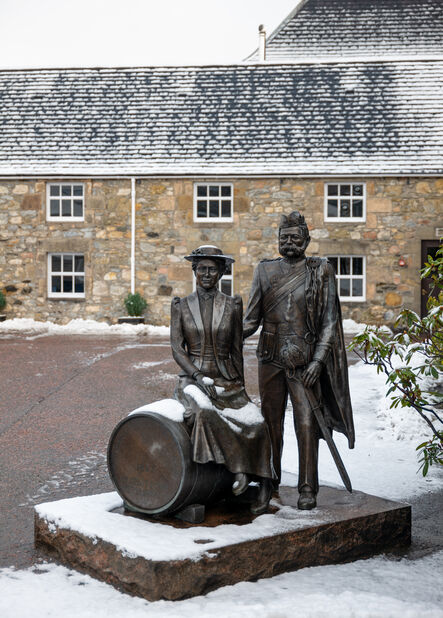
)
(132, 235)
(261, 43)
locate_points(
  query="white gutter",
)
(132, 235)
(214, 175)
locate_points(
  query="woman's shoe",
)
(240, 484)
(264, 496)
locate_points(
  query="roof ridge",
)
(303, 60)
(336, 59)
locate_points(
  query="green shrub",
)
(2, 301)
(135, 304)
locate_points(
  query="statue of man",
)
(301, 350)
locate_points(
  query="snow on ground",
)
(384, 460)
(350, 327)
(76, 474)
(376, 588)
(92, 327)
(78, 327)
(149, 364)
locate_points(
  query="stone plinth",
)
(170, 559)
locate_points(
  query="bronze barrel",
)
(150, 464)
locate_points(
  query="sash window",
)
(345, 201)
(66, 275)
(65, 201)
(350, 271)
(213, 201)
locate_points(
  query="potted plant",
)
(2, 306)
(135, 305)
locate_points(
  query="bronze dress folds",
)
(206, 337)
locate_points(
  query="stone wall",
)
(400, 213)
(26, 238)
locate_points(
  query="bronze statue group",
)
(301, 354)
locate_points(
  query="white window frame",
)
(349, 219)
(213, 219)
(229, 277)
(60, 217)
(351, 299)
(65, 295)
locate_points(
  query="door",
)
(428, 247)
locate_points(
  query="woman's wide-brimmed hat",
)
(209, 251)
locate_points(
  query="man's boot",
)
(307, 499)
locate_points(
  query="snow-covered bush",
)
(412, 361)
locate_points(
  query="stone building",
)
(108, 177)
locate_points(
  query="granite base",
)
(171, 559)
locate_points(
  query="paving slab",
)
(171, 559)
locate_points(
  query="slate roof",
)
(326, 119)
(317, 28)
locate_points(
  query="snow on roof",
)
(370, 117)
(357, 27)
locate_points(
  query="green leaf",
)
(421, 446)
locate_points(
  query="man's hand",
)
(312, 373)
(206, 384)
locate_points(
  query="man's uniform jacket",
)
(323, 322)
(188, 334)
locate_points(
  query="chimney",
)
(261, 43)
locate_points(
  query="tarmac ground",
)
(61, 397)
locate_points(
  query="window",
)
(351, 277)
(65, 202)
(213, 201)
(226, 283)
(345, 201)
(66, 275)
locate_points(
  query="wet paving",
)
(60, 398)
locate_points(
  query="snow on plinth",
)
(92, 517)
(168, 560)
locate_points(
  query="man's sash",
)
(287, 285)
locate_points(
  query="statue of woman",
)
(206, 340)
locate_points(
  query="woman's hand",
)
(206, 384)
